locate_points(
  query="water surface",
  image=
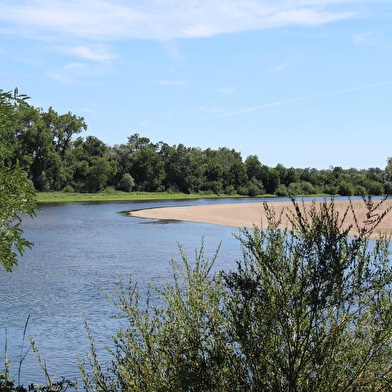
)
(78, 247)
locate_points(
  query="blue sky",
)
(305, 83)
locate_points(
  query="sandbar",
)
(248, 215)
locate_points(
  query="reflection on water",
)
(78, 247)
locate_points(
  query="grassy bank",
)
(64, 197)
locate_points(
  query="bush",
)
(242, 190)
(7, 385)
(375, 188)
(307, 309)
(69, 189)
(253, 190)
(42, 183)
(345, 189)
(308, 188)
(294, 189)
(388, 187)
(216, 187)
(281, 190)
(230, 190)
(126, 183)
(359, 190)
(331, 189)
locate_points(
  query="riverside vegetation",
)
(307, 308)
(55, 157)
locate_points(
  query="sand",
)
(246, 215)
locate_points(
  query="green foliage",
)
(230, 190)
(69, 189)
(375, 188)
(308, 188)
(126, 183)
(153, 352)
(16, 195)
(253, 190)
(281, 190)
(345, 189)
(308, 310)
(294, 188)
(359, 190)
(8, 385)
(42, 142)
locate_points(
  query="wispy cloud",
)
(365, 39)
(280, 67)
(97, 52)
(90, 111)
(226, 90)
(297, 99)
(77, 73)
(163, 19)
(171, 82)
(172, 48)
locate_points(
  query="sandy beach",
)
(246, 215)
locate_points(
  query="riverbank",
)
(246, 215)
(113, 195)
(65, 197)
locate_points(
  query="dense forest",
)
(57, 158)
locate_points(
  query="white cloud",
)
(280, 67)
(226, 90)
(365, 39)
(90, 111)
(97, 52)
(144, 123)
(77, 73)
(162, 19)
(171, 82)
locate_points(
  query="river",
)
(78, 247)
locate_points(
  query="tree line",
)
(58, 158)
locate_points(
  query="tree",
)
(126, 183)
(98, 173)
(43, 140)
(345, 189)
(272, 182)
(147, 168)
(253, 167)
(16, 195)
(308, 309)
(180, 166)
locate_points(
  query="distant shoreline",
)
(246, 215)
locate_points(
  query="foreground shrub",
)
(7, 385)
(308, 309)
